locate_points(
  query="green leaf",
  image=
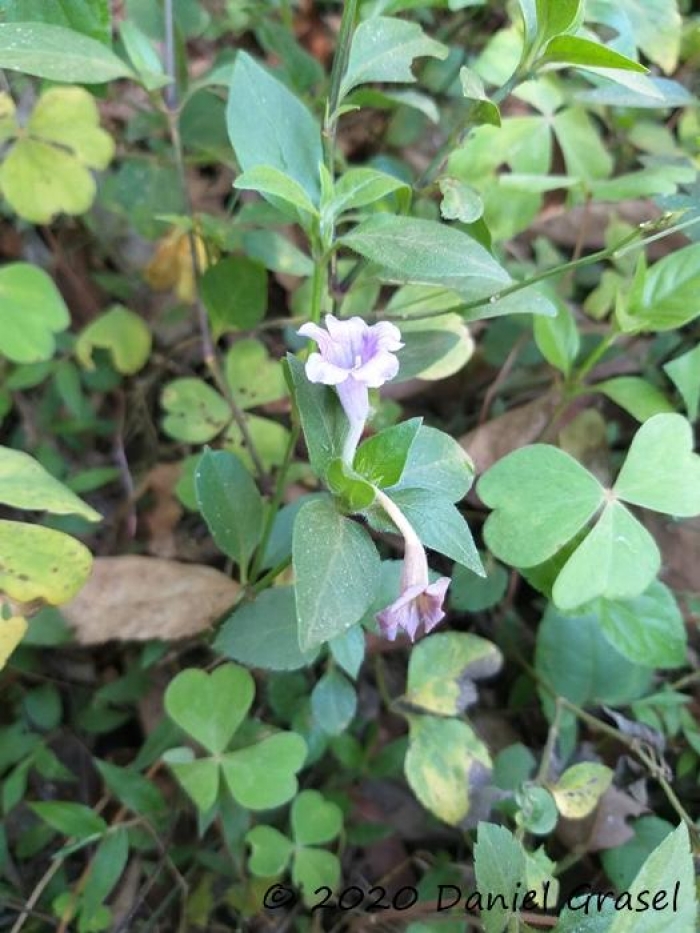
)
(442, 670)
(483, 110)
(230, 504)
(656, 29)
(354, 492)
(669, 868)
(556, 16)
(460, 201)
(70, 819)
(499, 863)
(439, 525)
(557, 338)
(382, 458)
(537, 811)
(121, 332)
(383, 49)
(455, 260)
(322, 417)
(25, 484)
(268, 180)
(577, 661)
(437, 462)
(270, 851)
(255, 379)
(574, 50)
(40, 563)
(348, 650)
(445, 757)
(337, 572)
(635, 395)
(210, 707)
(579, 789)
(265, 633)
(106, 868)
(622, 863)
(195, 413)
(143, 56)
(263, 776)
(63, 132)
(541, 498)
(234, 292)
(270, 439)
(586, 156)
(358, 187)
(661, 472)
(315, 820)
(135, 791)
(684, 373)
(314, 869)
(472, 593)
(59, 54)
(33, 311)
(198, 777)
(91, 17)
(648, 630)
(333, 702)
(269, 126)
(668, 297)
(618, 559)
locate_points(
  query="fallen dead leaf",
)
(138, 598)
(516, 428)
(165, 513)
(679, 543)
(606, 827)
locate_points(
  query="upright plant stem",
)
(209, 353)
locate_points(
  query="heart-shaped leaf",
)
(269, 438)
(32, 312)
(41, 563)
(579, 789)
(210, 707)
(661, 472)
(121, 332)
(315, 820)
(444, 758)
(618, 560)
(25, 484)
(270, 851)
(198, 777)
(314, 869)
(442, 670)
(541, 497)
(264, 775)
(195, 413)
(255, 379)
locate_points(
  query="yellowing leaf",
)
(171, 265)
(25, 484)
(41, 564)
(8, 122)
(579, 789)
(11, 634)
(48, 170)
(121, 332)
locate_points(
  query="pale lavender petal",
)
(382, 367)
(401, 614)
(314, 332)
(354, 398)
(387, 335)
(319, 369)
(431, 603)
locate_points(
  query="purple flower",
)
(354, 357)
(419, 604)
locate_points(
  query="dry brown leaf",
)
(137, 598)
(165, 513)
(679, 543)
(516, 428)
(606, 827)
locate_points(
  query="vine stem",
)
(210, 356)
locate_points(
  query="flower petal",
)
(382, 367)
(319, 369)
(314, 332)
(354, 397)
(387, 335)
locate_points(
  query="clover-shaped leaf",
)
(122, 333)
(270, 853)
(617, 560)
(442, 670)
(199, 777)
(48, 169)
(195, 413)
(263, 776)
(41, 563)
(210, 707)
(315, 820)
(661, 472)
(33, 310)
(315, 868)
(255, 379)
(579, 789)
(541, 497)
